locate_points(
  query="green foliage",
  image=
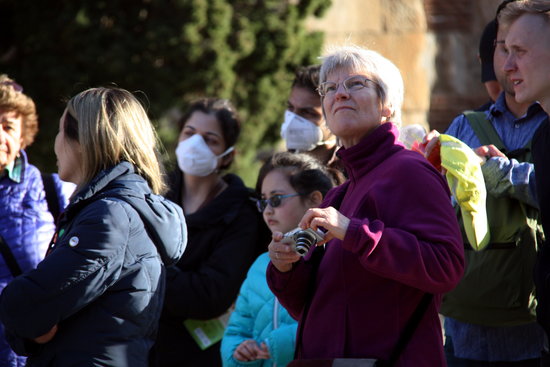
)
(171, 51)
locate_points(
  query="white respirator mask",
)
(195, 157)
(300, 134)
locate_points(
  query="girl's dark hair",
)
(305, 173)
(224, 112)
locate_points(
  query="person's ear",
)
(315, 198)
(227, 159)
(386, 112)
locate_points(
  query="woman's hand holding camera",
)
(281, 254)
(334, 222)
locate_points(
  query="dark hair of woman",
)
(224, 112)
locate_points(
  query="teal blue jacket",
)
(259, 316)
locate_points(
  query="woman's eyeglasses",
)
(351, 84)
(273, 201)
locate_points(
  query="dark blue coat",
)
(103, 281)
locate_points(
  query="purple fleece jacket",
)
(403, 241)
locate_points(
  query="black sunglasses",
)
(273, 201)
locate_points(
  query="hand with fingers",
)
(430, 141)
(335, 223)
(249, 350)
(281, 254)
(489, 151)
(431, 148)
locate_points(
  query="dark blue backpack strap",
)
(51, 195)
(7, 254)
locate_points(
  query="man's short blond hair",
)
(512, 11)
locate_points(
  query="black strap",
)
(316, 257)
(315, 260)
(408, 332)
(9, 258)
(51, 194)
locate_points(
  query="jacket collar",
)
(15, 170)
(371, 150)
(163, 220)
(499, 107)
(107, 177)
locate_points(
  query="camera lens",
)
(301, 249)
(304, 240)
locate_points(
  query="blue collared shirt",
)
(517, 179)
(502, 175)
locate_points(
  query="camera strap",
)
(409, 330)
(314, 261)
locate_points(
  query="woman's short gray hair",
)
(378, 68)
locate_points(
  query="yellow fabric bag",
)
(467, 184)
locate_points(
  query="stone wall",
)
(433, 42)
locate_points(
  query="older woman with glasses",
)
(392, 245)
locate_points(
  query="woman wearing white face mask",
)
(223, 226)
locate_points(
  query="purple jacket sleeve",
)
(409, 233)
(290, 287)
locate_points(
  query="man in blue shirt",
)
(490, 315)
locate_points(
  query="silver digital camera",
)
(301, 240)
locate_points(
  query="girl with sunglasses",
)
(260, 330)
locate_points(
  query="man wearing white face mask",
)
(304, 128)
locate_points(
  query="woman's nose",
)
(268, 209)
(341, 92)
